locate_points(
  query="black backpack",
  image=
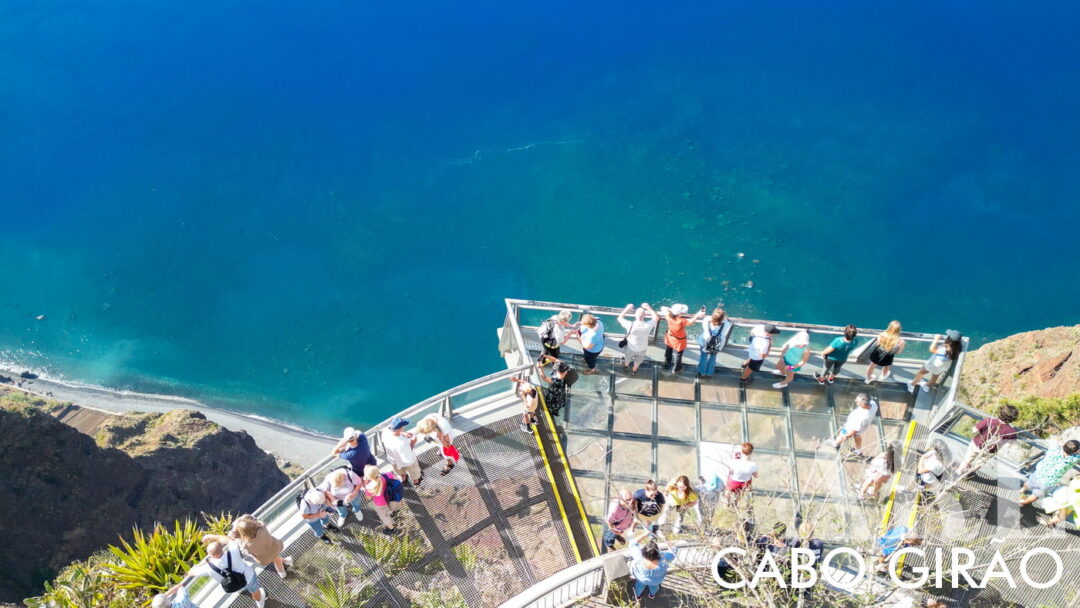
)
(713, 345)
(231, 580)
(547, 332)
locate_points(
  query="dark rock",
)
(28, 375)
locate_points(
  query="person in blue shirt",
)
(353, 448)
(591, 336)
(893, 540)
(836, 354)
(177, 597)
(649, 566)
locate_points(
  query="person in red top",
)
(990, 434)
(675, 338)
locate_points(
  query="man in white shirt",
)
(221, 559)
(761, 337)
(399, 451)
(741, 472)
(638, 331)
(860, 418)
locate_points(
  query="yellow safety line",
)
(570, 478)
(551, 477)
(896, 478)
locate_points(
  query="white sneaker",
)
(341, 520)
(359, 515)
(261, 603)
(778, 385)
(676, 529)
(287, 561)
(778, 372)
(910, 387)
(925, 387)
(869, 381)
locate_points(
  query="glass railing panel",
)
(768, 430)
(676, 460)
(460, 401)
(631, 457)
(677, 421)
(633, 416)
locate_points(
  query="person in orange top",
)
(675, 338)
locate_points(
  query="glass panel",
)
(676, 460)
(774, 472)
(588, 411)
(598, 381)
(1018, 451)
(865, 521)
(826, 518)
(629, 457)
(964, 427)
(808, 396)
(894, 402)
(586, 453)
(844, 395)
(895, 431)
(819, 474)
(640, 383)
(810, 430)
(720, 389)
(771, 510)
(739, 336)
(593, 495)
(762, 394)
(676, 386)
(460, 401)
(677, 421)
(633, 416)
(768, 430)
(721, 425)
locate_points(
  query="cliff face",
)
(1043, 363)
(66, 495)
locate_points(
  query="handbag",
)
(626, 338)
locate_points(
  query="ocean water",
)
(313, 211)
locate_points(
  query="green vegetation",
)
(467, 555)
(393, 553)
(439, 598)
(128, 576)
(1036, 412)
(335, 591)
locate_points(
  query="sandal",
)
(446, 469)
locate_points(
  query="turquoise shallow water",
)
(313, 212)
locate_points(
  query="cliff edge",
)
(67, 494)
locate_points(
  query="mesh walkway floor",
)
(469, 538)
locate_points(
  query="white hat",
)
(315, 496)
(350, 433)
(161, 600)
(800, 339)
(679, 309)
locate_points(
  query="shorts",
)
(880, 357)
(754, 364)
(737, 486)
(844, 430)
(412, 470)
(1035, 487)
(632, 358)
(935, 368)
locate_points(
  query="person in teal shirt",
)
(649, 566)
(1050, 470)
(836, 354)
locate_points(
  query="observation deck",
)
(517, 522)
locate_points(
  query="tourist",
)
(836, 354)
(757, 348)
(806, 540)
(858, 421)
(591, 336)
(648, 505)
(558, 384)
(530, 402)
(435, 427)
(880, 470)
(354, 449)
(713, 336)
(342, 487)
(675, 338)
(793, 357)
(375, 486)
(256, 541)
(895, 538)
(176, 597)
(1048, 473)
(553, 334)
(681, 498)
(1063, 504)
(620, 520)
(225, 564)
(990, 434)
(315, 510)
(942, 356)
(773, 542)
(398, 446)
(930, 468)
(741, 472)
(648, 566)
(638, 331)
(887, 345)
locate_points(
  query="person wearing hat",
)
(354, 449)
(757, 349)
(399, 451)
(315, 510)
(177, 597)
(793, 357)
(675, 338)
(942, 355)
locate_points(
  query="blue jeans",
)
(318, 525)
(609, 540)
(706, 364)
(355, 504)
(640, 586)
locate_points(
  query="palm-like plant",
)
(156, 561)
(80, 585)
(336, 592)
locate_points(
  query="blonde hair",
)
(718, 316)
(588, 320)
(889, 338)
(339, 478)
(564, 315)
(247, 527)
(427, 425)
(372, 472)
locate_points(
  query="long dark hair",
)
(953, 348)
(890, 459)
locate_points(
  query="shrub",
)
(1037, 411)
(157, 560)
(335, 591)
(393, 553)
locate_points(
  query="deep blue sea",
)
(313, 210)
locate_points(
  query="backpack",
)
(547, 332)
(571, 377)
(231, 580)
(712, 346)
(395, 490)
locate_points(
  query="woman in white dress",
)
(435, 427)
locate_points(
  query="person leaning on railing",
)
(675, 338)
(256, 541)
(315, 510)
(354, 449)
(990, 434)
(638, 330)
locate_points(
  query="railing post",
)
(445, 408)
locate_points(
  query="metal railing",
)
(590, 577)
(456, 401)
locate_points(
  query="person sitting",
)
(858, 421)
(1050, 470)
(931, 466)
